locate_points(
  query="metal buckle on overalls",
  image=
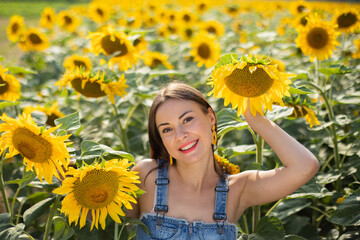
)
(162, 181)
(220, 219)
(160, 210)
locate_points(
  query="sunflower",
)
(43, 152)
(202, 6)
(111, 42)
(140, 43)
(99, 12)
(92, 86)
(205, 49)
(347, 20)
(33, 40)
(68, 20)
(154, 59)
(249, 79)
(299, 7)
(186, 17)
(101, 189)
(73, 62)
(212, 27)
(228, 167)
(232, 10)
(47, 19)
(51, 112)
(9, 86)
(15, 28)
(133, 20)
(318, 38)
(302, 111)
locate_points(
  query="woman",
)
(187, 194)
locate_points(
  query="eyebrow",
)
(182, 115)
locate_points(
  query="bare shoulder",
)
(146, 168)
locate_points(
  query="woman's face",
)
(185, 129)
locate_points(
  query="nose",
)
(181, 133)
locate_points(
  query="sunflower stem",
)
(13, 204)
(50, 217)
(116, 231)
(122, 135)
(259, 157)
(2, 185)
(317, 72)
(274, 206)
(332, 130)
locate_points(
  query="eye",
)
(166, 130)
(188, 119)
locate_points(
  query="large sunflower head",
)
(347, 20)
(114, 43)
(154, 59)
(34, 40)
(73, 62)
(52, 112)
(99, 12)
(101, 189)
(249, 79)
(42, 152)
(9, 86)
(205, 49)
(318, 38)
(15, 28)
(47, 19)
(68, 20)
(93, 86)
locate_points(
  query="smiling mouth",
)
(189, 146)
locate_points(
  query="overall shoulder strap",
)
(161, 182)
(221, 191)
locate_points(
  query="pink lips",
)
(193, 143)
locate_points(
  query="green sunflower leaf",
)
(12, 233)
(26, 179)
(269, 228)
(4, 104)
(335, 70)
(37, 210)
(70, 122)
(226, 59)
(17, 70)
(293, 90)
(348, 212)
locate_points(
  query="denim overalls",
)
(163, 227)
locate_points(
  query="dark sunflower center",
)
(49, 18)
(189, 32)
(97, 189)
(244, 83)
(346, 20)
(232, 10)
(110, 47)
(301, 8)
(91, 89)
(298, 111)
(204, 51)
(34, 38)
(211, 30)
(155, 62)
(317, 38)
(202, 6)
(303, 21)
(68, 20)
(137, 41)
(31, 146)
(186, 18)
(80, 64)
(15, 27)
(100, 12)
(51, 119)
(4, 86)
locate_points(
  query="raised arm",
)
(300, 165)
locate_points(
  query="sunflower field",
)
(74, 106)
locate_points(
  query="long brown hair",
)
(174, 90)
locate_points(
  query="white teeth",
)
(188, 146)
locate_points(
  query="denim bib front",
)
(164, 227)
